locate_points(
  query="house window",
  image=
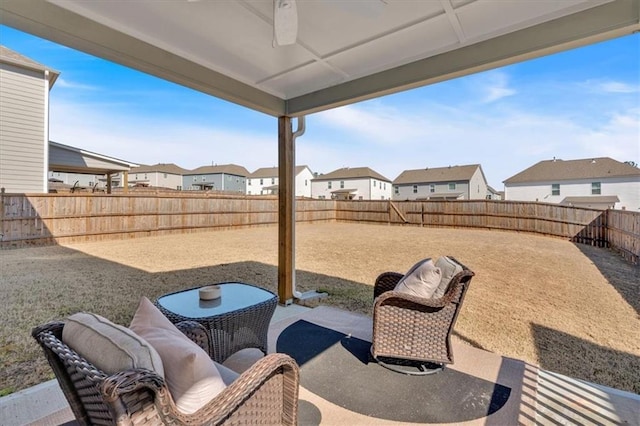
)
(273, 180)
(329, 185)
(385, 185)
(396, 189)
(415, 189)
(249, 182)
(165, 175)
(306, 183)
(555, 189)
(179, 187)
(195, 178)
(136, 176)
(341, 184)
(204, 178)
(249, 193)
(321, 197)
(374, 183)
(595, 188)
(432, 188)
(145, 176)
(452, 187)
(261, 181)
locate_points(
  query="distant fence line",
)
(65, 218)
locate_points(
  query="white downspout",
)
(298, 132)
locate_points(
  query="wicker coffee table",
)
(237, 320)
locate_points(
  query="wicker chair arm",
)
(386, 282)
(113, 387)
(54, 327)
(196, 332)
(409, 300)
(249, 381)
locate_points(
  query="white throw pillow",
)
(422, 280)
(449, 270)
(110, 347)
(191, 376)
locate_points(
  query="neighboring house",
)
(492, 194)
(158, 175)
(355, 183)
(228, 177)
(441, 183)
(593, 182)
(24, 122)
(264, 181)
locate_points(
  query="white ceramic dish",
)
(210, 292)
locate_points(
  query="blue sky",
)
(581, 103)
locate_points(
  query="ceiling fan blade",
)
(285, 22)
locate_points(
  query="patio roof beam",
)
(610, 20)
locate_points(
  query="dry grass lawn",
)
(568, 308)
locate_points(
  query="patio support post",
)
(286, 211)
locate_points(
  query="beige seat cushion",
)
(110, 347)
(191, 376)
(449, 270)
(421, 280)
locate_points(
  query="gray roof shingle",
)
(12, 57)
(352, 173)
(230, 169)
(437, 174)
(161, 168)
(588, 168)
(267, 172)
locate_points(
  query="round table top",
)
(234, 296)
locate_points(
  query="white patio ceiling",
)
(346, 50)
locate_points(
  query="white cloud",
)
(610, 86)
(66, 84)
(492, 85)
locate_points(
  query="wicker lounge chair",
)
(412, 334)
(267, 393)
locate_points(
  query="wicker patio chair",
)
(412, 334)
(266, 393)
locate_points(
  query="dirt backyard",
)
(568, 308)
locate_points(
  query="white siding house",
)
(264, 181)
(158, 175)
(357, 183)
(441, 183)
(593, 182)
(24, 122)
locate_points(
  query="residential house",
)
(351, 183)
(159, 175)
(265, 181)
(492, 194)
(599, 183)
(227, 177)
(24, 122)
(441, 183)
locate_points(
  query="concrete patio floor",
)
(538, 397)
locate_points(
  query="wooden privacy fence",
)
(623, 233)
(46, 218)
(64, 218)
